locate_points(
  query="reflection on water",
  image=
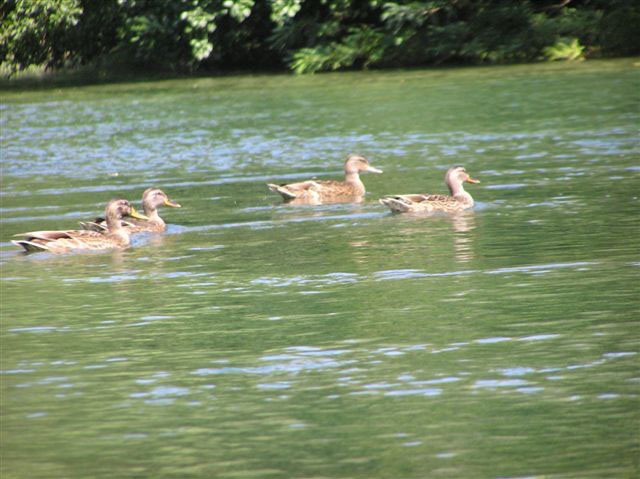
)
(463, 224)
(256, 339)
(315, 201)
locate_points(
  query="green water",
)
(256, 340)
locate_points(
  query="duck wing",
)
(293, 190)
(412, 198)
(335, 188)
(53, 241)
(419, 202)
(63, 241)
(444, 203)
(98, 225)
(45, 235)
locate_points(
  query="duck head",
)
(154, 197)
(117, 209)
(456, 175)
(358, 163)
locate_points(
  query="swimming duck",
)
(151, 199)
(64, 241)
(458, 201)
(319, 191)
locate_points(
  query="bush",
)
(38, 32)
(620, 31)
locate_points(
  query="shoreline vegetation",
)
(59, 42)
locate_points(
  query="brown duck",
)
(151, 199)
(458, 201)
(325, 191)
(115, 235)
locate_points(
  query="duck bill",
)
(135, 214)
(371, 169)
(170, 203)
(472, 180)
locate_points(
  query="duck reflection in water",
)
(463, 224)
(419, 232)
(317, 192)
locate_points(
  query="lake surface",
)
(261, 340)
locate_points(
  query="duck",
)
(458, 201)
(324, 191)
(115, 236)
(151, 199)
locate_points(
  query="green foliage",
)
(412, 16)
(620, 30)
(360, 47)
(565, 50)
(503, 34)
(238, 9)
(310, 35)
(38, 32)
(283, 10)
(200, 24)
(422, 32)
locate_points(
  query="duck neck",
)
(113, 222)
(353, 178)
(154, 217)
(115, 228)
(458, 192)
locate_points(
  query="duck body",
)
(317, 192)
(151, 199)
(459, 199)
(326, 191)
(115, 236)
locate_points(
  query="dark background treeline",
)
(309, 35)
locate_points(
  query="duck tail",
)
(30, 246)
(394, 204)
(91, 226)
(281, 189)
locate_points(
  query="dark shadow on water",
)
(111, 73)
